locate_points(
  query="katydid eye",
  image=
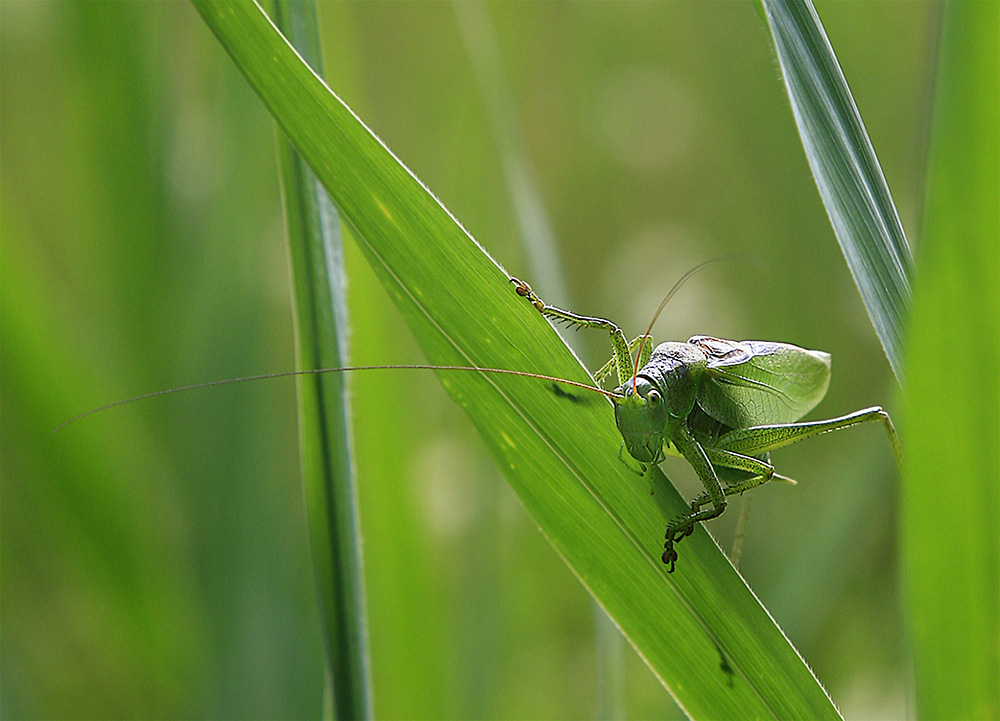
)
(653, 398)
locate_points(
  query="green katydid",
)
(722, 405)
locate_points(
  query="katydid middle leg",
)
(761, 472)
(682, 526)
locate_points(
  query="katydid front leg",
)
(622, 355)
(647, 350)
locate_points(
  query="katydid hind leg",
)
(740, 462)
(736, 450)
(760, 471)
(755, 440)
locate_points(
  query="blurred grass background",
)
(155, 558)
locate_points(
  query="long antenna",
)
(317, 371)
(663, 304)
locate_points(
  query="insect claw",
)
(669, 557)
(524, 290)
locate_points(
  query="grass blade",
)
(846, 171)
(701, 631)
(950, 541)
(319, 307)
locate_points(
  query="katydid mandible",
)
(722, 405)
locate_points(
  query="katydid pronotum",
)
(722, 405)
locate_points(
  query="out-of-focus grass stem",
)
(314, 242)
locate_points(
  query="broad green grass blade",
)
(313, 229)
(700, 630)
(846, 171)
(950, 538)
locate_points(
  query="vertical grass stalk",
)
(948, 507)
(314, 242)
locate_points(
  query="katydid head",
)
(641, 416)
(641, 411)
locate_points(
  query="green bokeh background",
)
(155, 560)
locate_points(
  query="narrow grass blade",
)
(951, 431)
(847, 173)
(700, 630)
(314, 242)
